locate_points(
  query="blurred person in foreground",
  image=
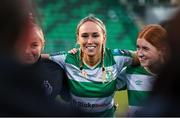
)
(165, 97)
(21, 93)
(28, 52)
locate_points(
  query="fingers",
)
(73, 51)
(45, 56)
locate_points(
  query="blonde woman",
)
(92, 71)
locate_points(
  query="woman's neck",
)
(91, 60)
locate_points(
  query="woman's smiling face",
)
(91, 38)
(148, 54)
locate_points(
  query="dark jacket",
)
(22, 93)
(55, 82)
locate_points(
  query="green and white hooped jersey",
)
(139, 84)
(89, 91)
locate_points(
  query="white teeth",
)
(90, 47)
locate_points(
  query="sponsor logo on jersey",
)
(138, 82)
(89, 105)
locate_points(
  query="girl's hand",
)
(73, 51)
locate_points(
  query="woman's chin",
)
(144, 64)
(29, 61)
(91, 54)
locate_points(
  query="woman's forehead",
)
(142, 41)
(90, 26)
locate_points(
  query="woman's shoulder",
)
(136, 69)
(58, 53)
(50, 64)
(119, 52)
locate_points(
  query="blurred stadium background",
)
(123, 20)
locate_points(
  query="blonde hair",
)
(35, 28)
(38, 31)
(94, 19)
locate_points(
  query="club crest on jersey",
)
(109, 74)
(84, 74)
(48, 87)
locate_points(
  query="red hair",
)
(155, 35)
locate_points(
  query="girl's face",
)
(91, 38)
(148, 54)
(29, 51)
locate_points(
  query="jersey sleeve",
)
(59, 58)
(122, 58)
(121, 80)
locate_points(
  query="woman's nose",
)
(90, 40)
(140, 55)
(27, 50)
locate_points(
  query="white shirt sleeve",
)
(59, 59)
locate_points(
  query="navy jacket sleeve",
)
(56, 84)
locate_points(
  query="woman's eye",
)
(84, 35)
(145, 48)
(34, 45)
(95, 35)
